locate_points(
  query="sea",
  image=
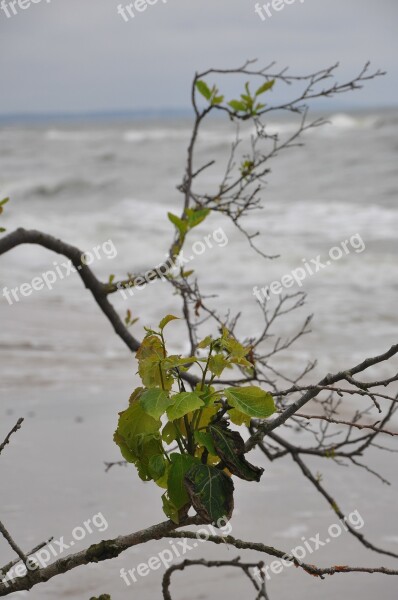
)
(108, 182)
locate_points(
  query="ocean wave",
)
(279, 128)
(66, 186)
(343, 121)
(159, 135)
(342, 124)
(26, 346)
(156, 135)
(336, 124)
(75, 136)
(332, 220)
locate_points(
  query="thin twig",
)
(13, 430)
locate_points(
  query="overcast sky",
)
(81, 55)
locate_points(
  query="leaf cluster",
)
(192, 217)
(247, 105)
(182, 440)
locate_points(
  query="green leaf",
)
(235, 348)
(176, 491)
(173, 361)
(196, 216)
(162, 481)
(204, 89)
(169, 509)
(242, 362)
(154, 375)
(237, 105)
(151, 348)
(167, 320)
(259, 106)
(157, 466)
(202, 438)
(2, 203)
(251, 400)
(238, 418)
(181, 225)
(207, 394)
(217, 100)
(150, 357)
(134, 423)
(265, 87)
(137, 436)
(149, 331)
(2, 230)
(155, 402)
(169, 433)
(135, 396)
(230, 447)
(184, 403)
(210, 491)
(218, 363)
(247, 167)
(207, 415)
(206, 342)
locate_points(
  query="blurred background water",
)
(69, 375)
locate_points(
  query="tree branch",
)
(105, 550)
(260, 588)
(13, 430)
(310, 569)
(98, 289)
(311, 393)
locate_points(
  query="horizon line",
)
(152, 112)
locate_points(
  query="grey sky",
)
(70, 55)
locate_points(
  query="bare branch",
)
(118, 463)
(13, 430)
(4, 570)
(14, 545)
(375, 427)
(259, 587)
(310, 394)
(310, 569)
